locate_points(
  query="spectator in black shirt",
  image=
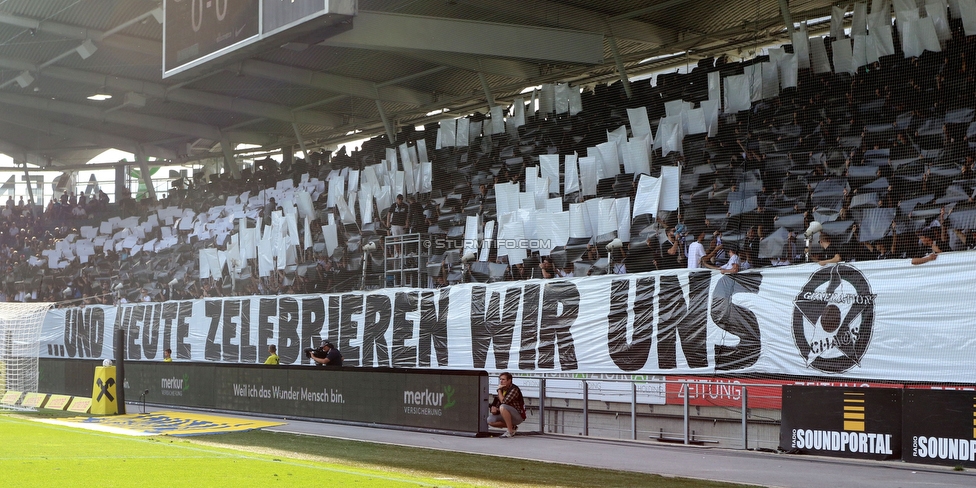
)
(831, 252)
(670, 255)
(928, 247)
(415, 214)
(884, 248)
(968, 238)
(396, 218)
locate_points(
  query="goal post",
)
(20, 333)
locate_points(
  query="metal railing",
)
(738, 436)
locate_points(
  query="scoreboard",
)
(198, 32)
(281, 14)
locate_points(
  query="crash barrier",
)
(730, 412)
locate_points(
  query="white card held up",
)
(670, 187)
(648, 197)
(639, 123)
(588, 168)
(622, 207)
(550, 170)
(607, 221)
(608, 154)
(422, 151)
(461, 135)
(571, 174)
(330, 233)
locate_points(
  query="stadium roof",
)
(403, 60)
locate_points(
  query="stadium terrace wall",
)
(876, 320)
(434, 400)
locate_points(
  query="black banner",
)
(436, 400)
(863, 423)
(66, 377)
(939, 427)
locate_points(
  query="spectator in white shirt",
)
(696, 251)
(732, 266)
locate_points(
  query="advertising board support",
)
(120, 367)
(542, 405)
(745, 418)
(686, 426)
(586, 409)
(633, 411)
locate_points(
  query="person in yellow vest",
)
(272, 355)
(168, 356)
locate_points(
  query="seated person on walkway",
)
(507, 411)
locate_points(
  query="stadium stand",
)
(880, 155)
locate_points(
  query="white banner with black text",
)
(883, 320)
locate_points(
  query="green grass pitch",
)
(36, 454)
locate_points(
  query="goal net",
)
(20, 330)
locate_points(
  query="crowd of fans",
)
(882, 159)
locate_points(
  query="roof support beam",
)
(148, 122)
(230, 163)
(390, 132)
(324, 81)
(703, 43)
(74, 32)
(193, 97)
(546, 12)
(334, 83)
(301, 143)
(388, 32)
(65, 30)
(519, 70)
(181, 95)
(30, 186)
(31, 121)
(21, 154)
(484, 86)
(646, 10)
(145, 174)
(620, 68)
(127, 118)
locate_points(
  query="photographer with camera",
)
(325, 355)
